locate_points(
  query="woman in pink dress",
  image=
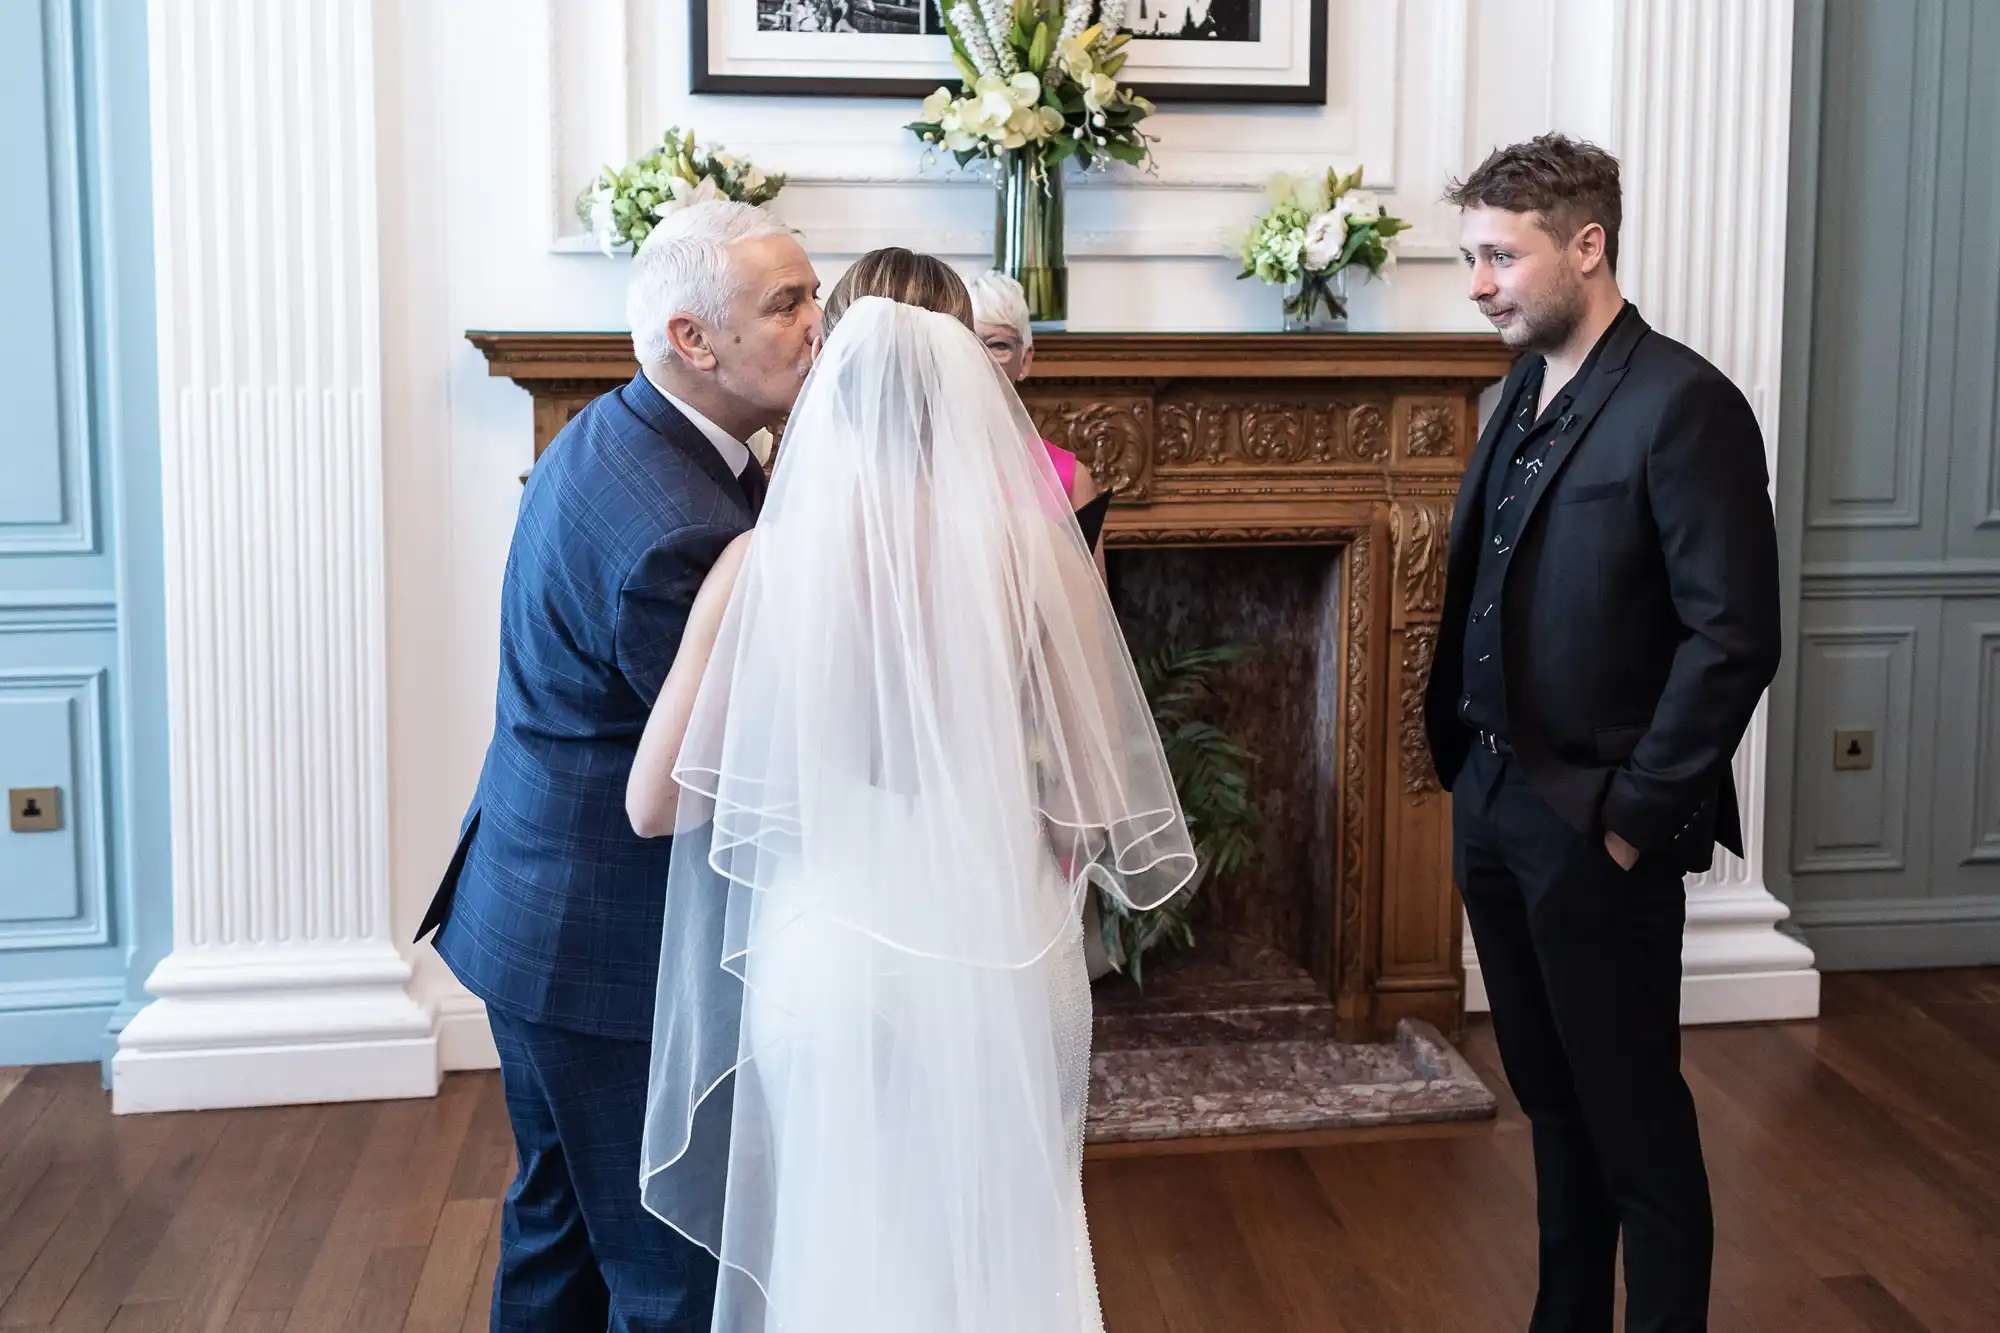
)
(1000, 318)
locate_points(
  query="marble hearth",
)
(1234, 1037)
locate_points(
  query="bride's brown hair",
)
(901, 275)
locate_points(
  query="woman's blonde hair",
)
(901, 275)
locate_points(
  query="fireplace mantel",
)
(1355, 441)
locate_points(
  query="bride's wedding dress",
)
(919, 744)
(855, 1070)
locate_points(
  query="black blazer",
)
(1639, 618)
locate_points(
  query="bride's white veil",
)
(919, 739)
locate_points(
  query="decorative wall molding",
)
(67, 523)
(284, 983)
(1913, 578)
(1879, 666)
(1871, 471)
(81, 695)
(1982, 834)
(30, 612)
(1881, 934)
(617, 76)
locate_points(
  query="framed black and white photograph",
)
(1182, 51)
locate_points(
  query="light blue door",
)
(85, 904)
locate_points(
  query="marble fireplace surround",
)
(1350, 441)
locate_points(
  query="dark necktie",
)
(751, 479)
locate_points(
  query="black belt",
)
(1493, 744)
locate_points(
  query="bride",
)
(901, 741)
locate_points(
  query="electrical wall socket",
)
(34, 809)
(1854, 748)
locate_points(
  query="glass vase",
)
(1028, 232)
(1317, 303)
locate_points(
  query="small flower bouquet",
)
(1040, 76)
(1317, 228)
(621, 207)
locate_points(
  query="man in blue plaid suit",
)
(551, 909)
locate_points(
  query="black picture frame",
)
(703, 80)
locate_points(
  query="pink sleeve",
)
(1065, 464)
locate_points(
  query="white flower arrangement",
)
(1038, 75)
(621, 207)
(1315, 227)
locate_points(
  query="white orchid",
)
(1074, 56)
(1099, 92)
(683, 193)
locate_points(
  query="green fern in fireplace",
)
(1211, 772)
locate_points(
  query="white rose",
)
(1359, 204)
(1326, 236)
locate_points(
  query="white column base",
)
(275, 1026)
(1736, 966)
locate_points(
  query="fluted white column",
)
(1702, 129)
(284, 984)
(1704, 132)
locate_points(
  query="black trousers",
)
(1582, 964)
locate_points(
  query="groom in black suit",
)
(1610, 622)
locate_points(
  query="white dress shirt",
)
(735, 454)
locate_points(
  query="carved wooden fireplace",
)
(1295, 484)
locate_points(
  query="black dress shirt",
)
(1518, 461)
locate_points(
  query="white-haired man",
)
(551, 909)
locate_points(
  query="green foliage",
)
(1212, 775)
